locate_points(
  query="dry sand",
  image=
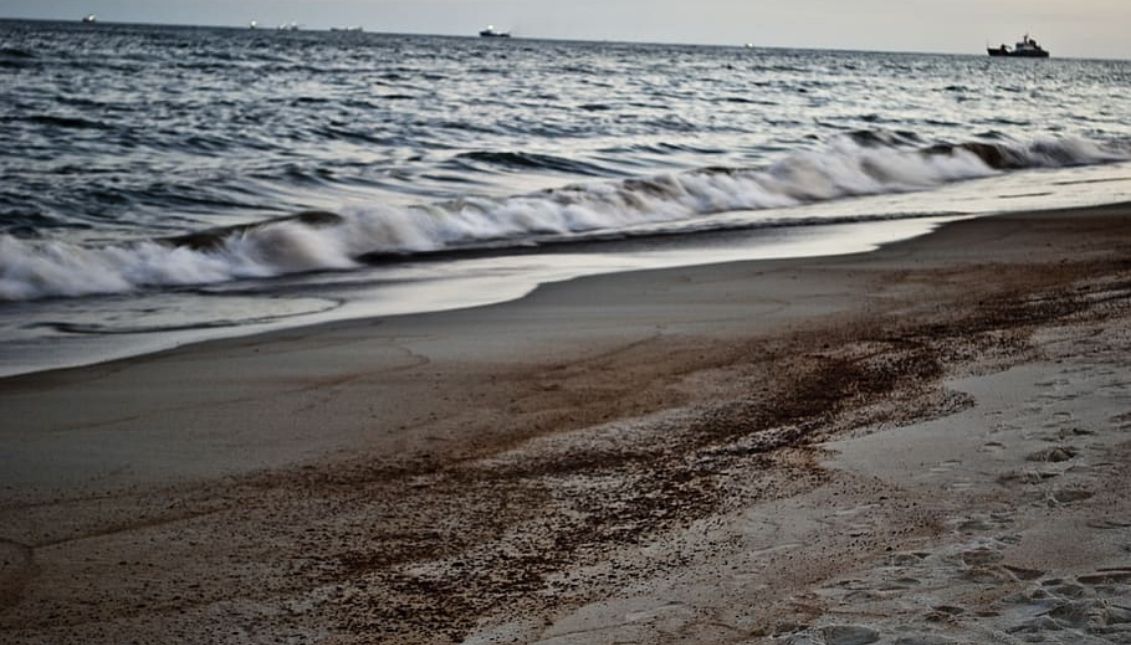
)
(924, 444)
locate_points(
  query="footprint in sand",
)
(945, 466)
(1116, 389)
(1012, 539)
(1023, 573)
(1074, 431)
(944, 613)
(1067, 590)
(1057, 396)
(979, 523)
(974, 525)
(836, 635)
(1065, 496)
(1059, 420)
(1003, 426)
(1094, 606)
(992, 448)
(907, 559)
(1122, 422)
(1027, 477)
(904, 582)
(924, 639)
(1109, 576)
(1108, 524)
(985, 564)
(981, 556)
(1054, 454)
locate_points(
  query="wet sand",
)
(924, 444)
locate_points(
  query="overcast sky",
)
(1067, 27)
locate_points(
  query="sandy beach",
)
(924, 444)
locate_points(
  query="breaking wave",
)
(864, 163)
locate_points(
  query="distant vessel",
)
(490, 32)
(351, 28)
(285, 27)
(1025, 48)
(89, 19)
(253, 25)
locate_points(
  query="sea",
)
(162, 185)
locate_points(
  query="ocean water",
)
(160, 185)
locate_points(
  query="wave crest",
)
(855, 165)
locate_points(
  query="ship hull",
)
(1013, 54)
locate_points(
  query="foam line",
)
(851, 166)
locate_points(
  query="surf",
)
(858, 164)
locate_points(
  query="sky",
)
(1080, 28)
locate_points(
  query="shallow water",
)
(462, 171)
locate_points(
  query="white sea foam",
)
(44, 268)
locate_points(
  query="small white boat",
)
(89, 19)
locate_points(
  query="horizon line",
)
(474, 35)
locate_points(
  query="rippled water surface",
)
(147, 168)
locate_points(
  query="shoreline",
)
(600, 259)
(561, 464)
(73, 333)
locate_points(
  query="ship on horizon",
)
(490, 32)
(1025, 48)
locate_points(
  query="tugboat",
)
(490, 32)
(1025, 48)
